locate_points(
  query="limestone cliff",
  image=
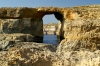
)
(78, 31)
(50, 29)
(83, 32)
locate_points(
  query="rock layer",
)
(25, 26)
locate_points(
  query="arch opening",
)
(50, 27)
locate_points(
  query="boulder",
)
(7, 40)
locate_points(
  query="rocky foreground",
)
(78, 31)
(38, 54)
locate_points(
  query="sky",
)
(47, 3)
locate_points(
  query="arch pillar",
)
(37, 29)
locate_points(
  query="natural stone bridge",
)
(29, 20)
(74, 23)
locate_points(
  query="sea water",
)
(50, 39)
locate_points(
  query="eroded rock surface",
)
(28, 54)
(83, 32)
(36, 54)
(78, 31)
(33, 27)
(7, 40)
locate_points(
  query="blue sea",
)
(50, 39)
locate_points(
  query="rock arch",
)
(60, 18)
(35, 24)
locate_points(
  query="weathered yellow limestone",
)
(78, 28)
(64, 15)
